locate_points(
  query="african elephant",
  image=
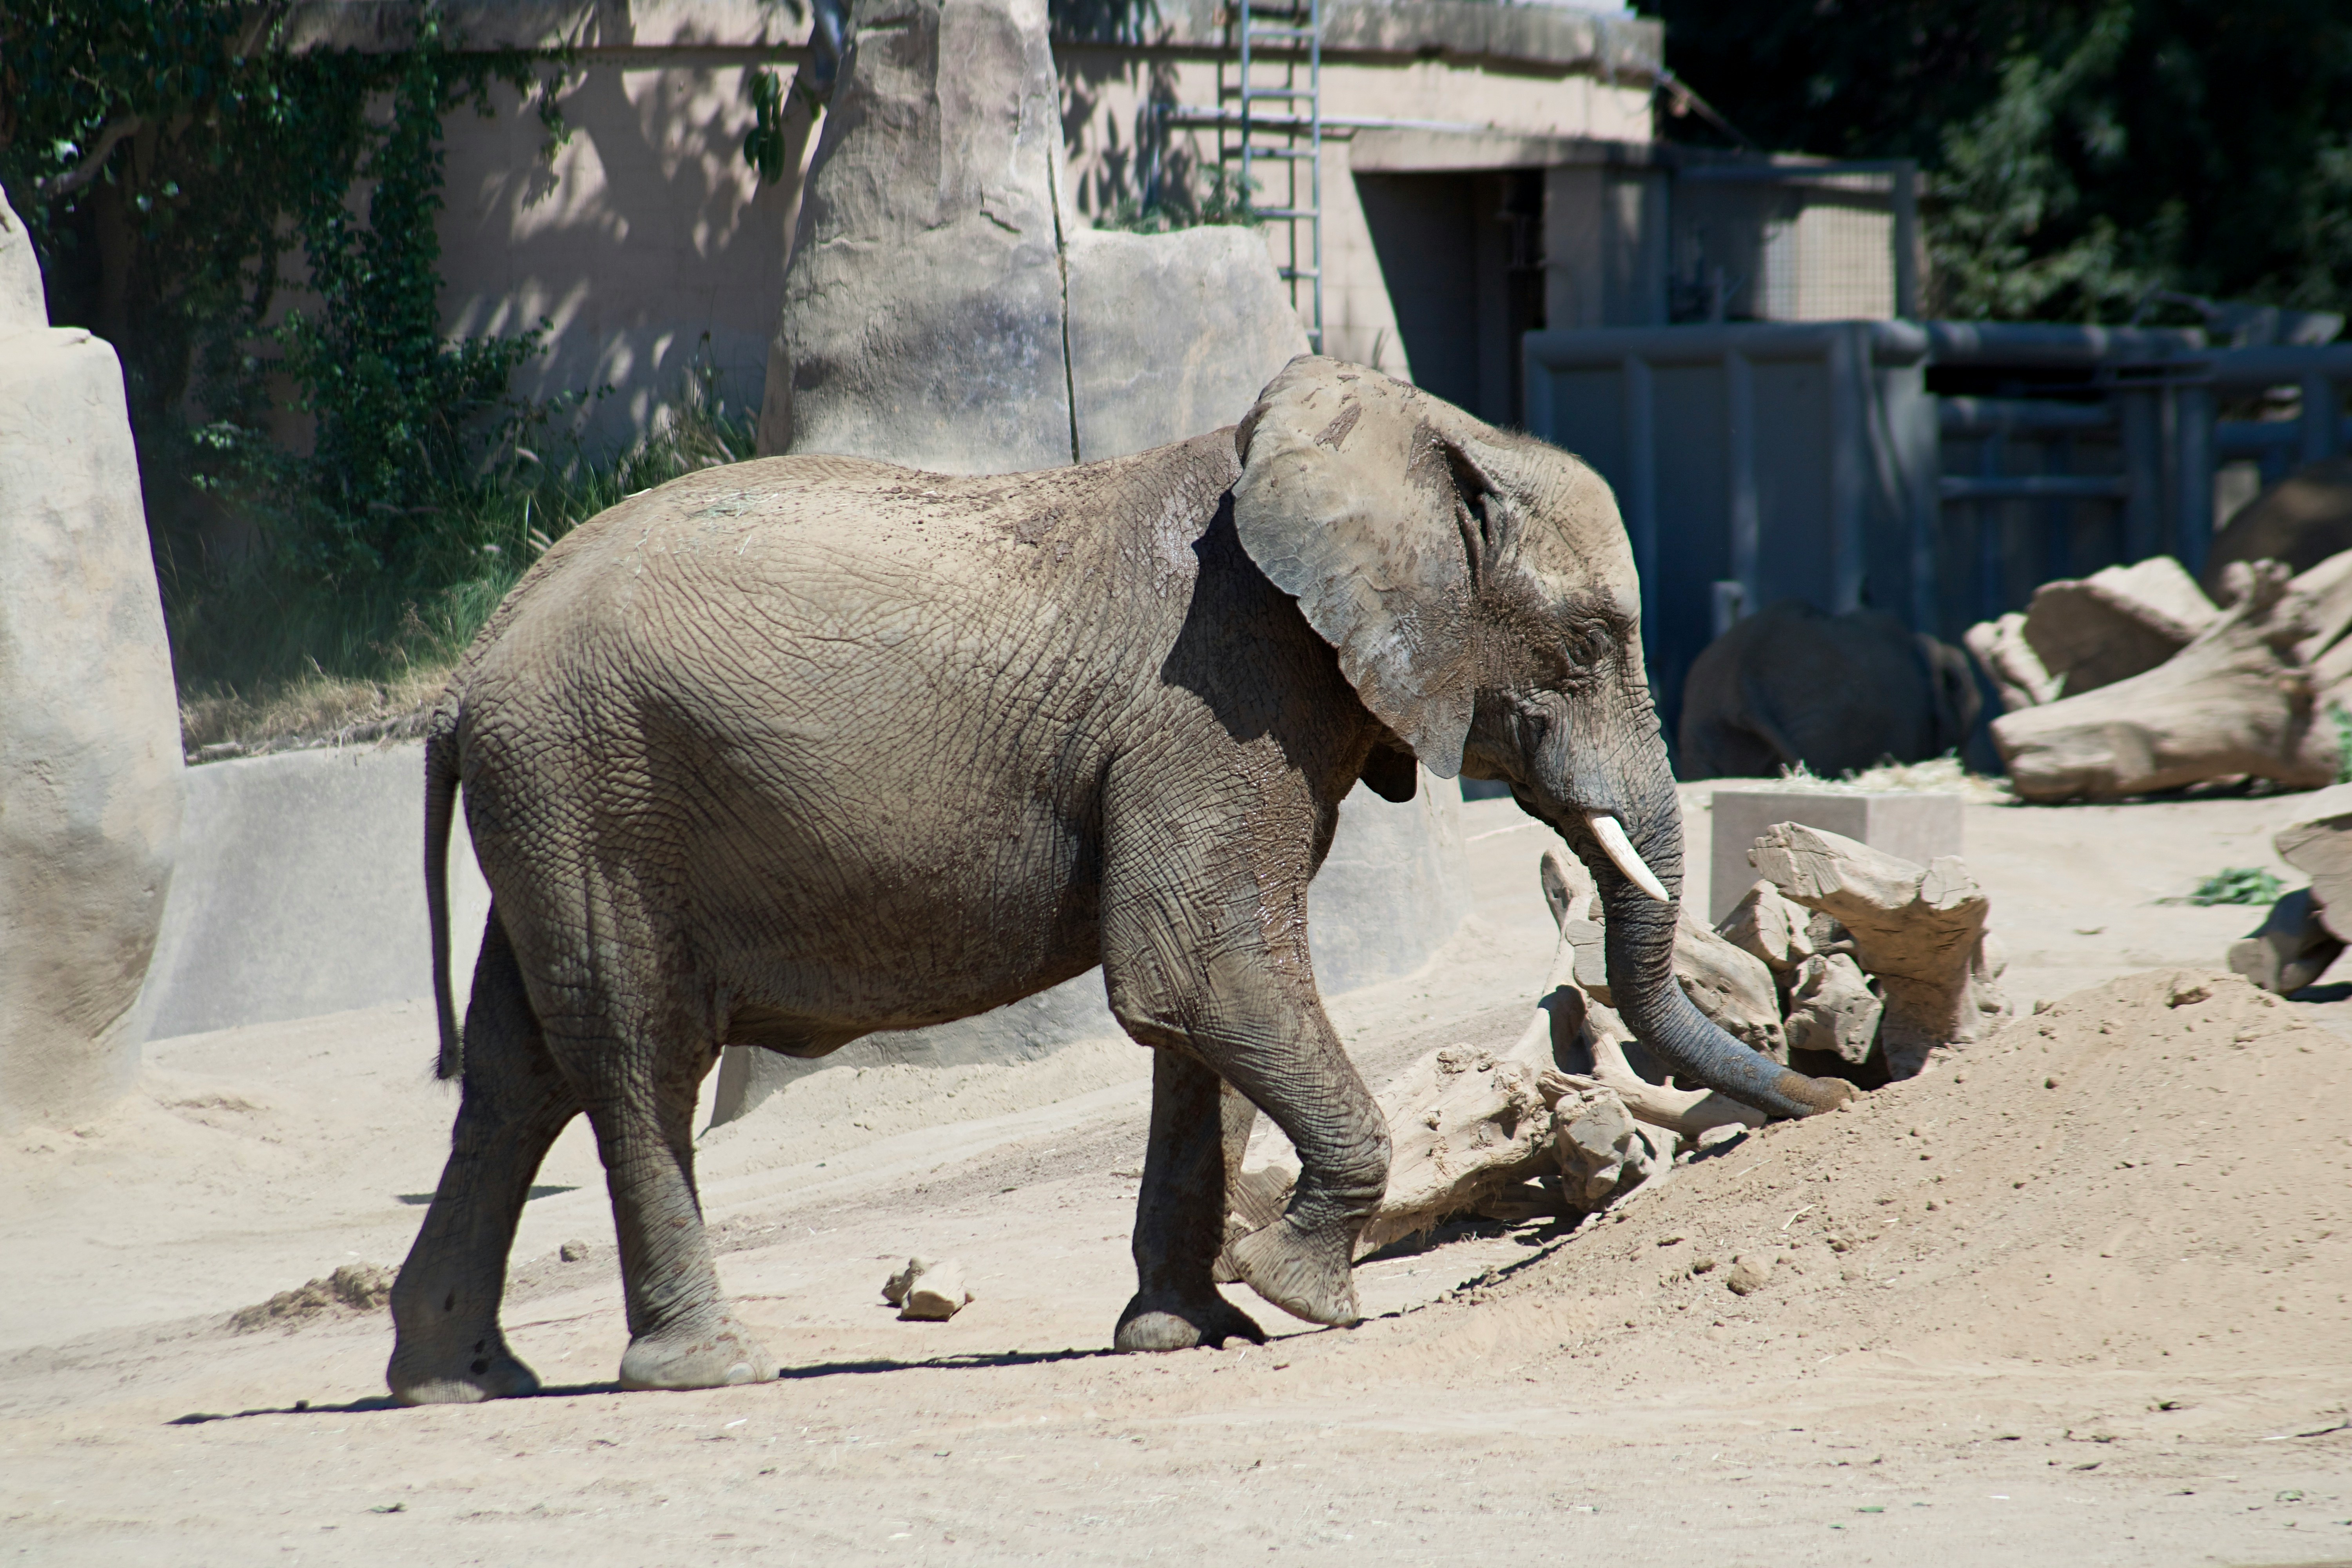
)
(787, 752)
(2301, 520)
(1838, 693)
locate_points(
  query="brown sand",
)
(2120, 1335)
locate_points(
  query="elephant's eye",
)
(1581, 648)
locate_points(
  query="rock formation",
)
(944, 309)
(89, 732)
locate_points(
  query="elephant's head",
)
(1481, 594)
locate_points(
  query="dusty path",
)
(1580, 1397)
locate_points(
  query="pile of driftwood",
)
(1841, 954)
(2132, 680)
(2306, 931)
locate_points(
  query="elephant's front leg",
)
(1203, 959)
(1180, 1218)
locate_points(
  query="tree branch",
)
(86, 171)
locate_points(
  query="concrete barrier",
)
(300, 890)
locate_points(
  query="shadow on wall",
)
(646, 231)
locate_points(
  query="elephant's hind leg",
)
(1180, 1224)
(449, 1347)
(640, 1084)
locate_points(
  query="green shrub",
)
(2236, 885)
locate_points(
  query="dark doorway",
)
(1463, 259)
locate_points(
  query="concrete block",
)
(1914, 825)
(301, 890)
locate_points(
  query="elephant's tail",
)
(440, 807)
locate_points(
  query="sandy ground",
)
(2076, 1297)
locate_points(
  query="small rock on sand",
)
(894, 1288)
(1747, 1274)
(937, 1294)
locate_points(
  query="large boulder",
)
(89, 734)
(943, 306)
(1172, 334)
(922, 317)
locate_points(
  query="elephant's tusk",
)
(1612, 833)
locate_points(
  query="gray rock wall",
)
(1171, 334)
(944, 310)
(90, 731)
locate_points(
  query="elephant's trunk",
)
(1636, 786)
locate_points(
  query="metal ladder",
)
(1248, 135)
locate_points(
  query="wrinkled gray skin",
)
(784, 752)
(1838, 693)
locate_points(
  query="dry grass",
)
(1941, 776)
(316, 710)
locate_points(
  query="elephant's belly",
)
(901, 936)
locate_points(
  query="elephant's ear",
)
(1369, 502)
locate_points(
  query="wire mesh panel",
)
(1794, 242)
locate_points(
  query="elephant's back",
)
(783, 605)
(825, 544)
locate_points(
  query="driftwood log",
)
(1766, 926)
(2291, 949)
(2306, 932)
(1832, 1008)
(1600, 1146)
(2318, 843)
(2081, 634)
(1734, 989)
(1916, 928)
(2236, 702)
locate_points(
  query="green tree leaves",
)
(184, 168)
(2081, 153)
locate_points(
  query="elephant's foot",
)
(482, 1369)
(711, 1356)
(1165, 1322)
(1306, 1273)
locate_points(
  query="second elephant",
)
(1837, 693)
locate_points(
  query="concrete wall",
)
(647, 230)
(301, 891)
(1505, 114)
(644, 243)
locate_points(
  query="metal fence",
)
(1794, 241)
(1940, 471)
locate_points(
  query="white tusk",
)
(1612, 833)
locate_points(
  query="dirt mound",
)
(354, 1288)
(2149, 1174)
